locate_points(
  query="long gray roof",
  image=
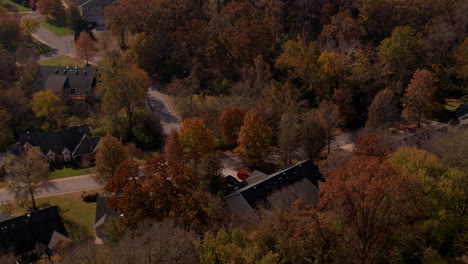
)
(59, 78)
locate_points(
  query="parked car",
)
(242, 175)
(231, 181)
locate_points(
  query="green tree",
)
(420, 97)
(57, 10)
(47, 105)
(29, 26)
(110, 154)
(254, 138)
(27, 175)
(400, 53)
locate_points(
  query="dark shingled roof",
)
(259, 190)
(101, 3)
(102, 209)
(86, 146)
(5, 216)
(23, 233)
(56, 141)
(59, 78)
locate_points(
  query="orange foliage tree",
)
(173, 149)
(196, 139)
(85, 47)
(231, 120)
(371, 146)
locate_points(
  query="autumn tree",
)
(5, 129)
(400, 53)
(420, 97)
(371, 146)
(10, 34)
(196, 139)
(328, 118)
(85, 47)
(313, 136)
(374, 213)
(45, 7)
(47, 105)
(254, 138)
(383, 110)
(27, 175)
(231, 120)
(173, 151)
(288, 137)
(29, 26)
(57, 10)
(111, 153)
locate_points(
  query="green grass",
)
(77, 215)
(70, 172)
(57, 30)
(63, 60)
(9, 4)
(451, 104)
(38, 47)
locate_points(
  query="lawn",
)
(70, 172)
(451, 104)
(77, 215)
(9, 5)
(38, 47)
(56, 29)
(63, 60)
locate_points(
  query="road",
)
(159, 104)
(59, 186)
(60, 45)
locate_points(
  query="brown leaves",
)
(231, 120)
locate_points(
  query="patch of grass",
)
(70, 172)
(9, 5)
(451, 104)
(56, 29)
(38, 47)
(77, 215)
(63, 60)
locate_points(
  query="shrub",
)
(89, 198)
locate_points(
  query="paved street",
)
(159, 104)
(60, 186)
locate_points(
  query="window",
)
(51, 157)
(77, 91)
(72, 91)
(66, 157)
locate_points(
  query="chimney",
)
(56, 70)
(64, 71)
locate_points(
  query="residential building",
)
(103, 216)
(93, 11)
(72, 82)
(300, 181)
(72, 145)
(32, 236)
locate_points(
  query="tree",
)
(47, 105)
(288, 137)
(313, 136)
(27, 175)
(10, 33)
(368, 198)
(85, 47)
(45, 7)
(212, 180)
(231, 121)
(420, 97)
(328, 117)
(29, 26)
(196, 139)
(254, 138)
(371, 146)
(400, 53)
(5, 129)
(111, 153)
(173, 151)
(57, 10)
(383, 110)
(73, 18)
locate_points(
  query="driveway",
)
(60, 45)
(158, 104)
(59, 186)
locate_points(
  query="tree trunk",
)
(329, 142)
(32, 198)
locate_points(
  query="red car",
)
(242, 175)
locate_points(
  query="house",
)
(32, 235)
(92, 11)
(300, 181)
(72, 145)
(72, 82)
(103, 216)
